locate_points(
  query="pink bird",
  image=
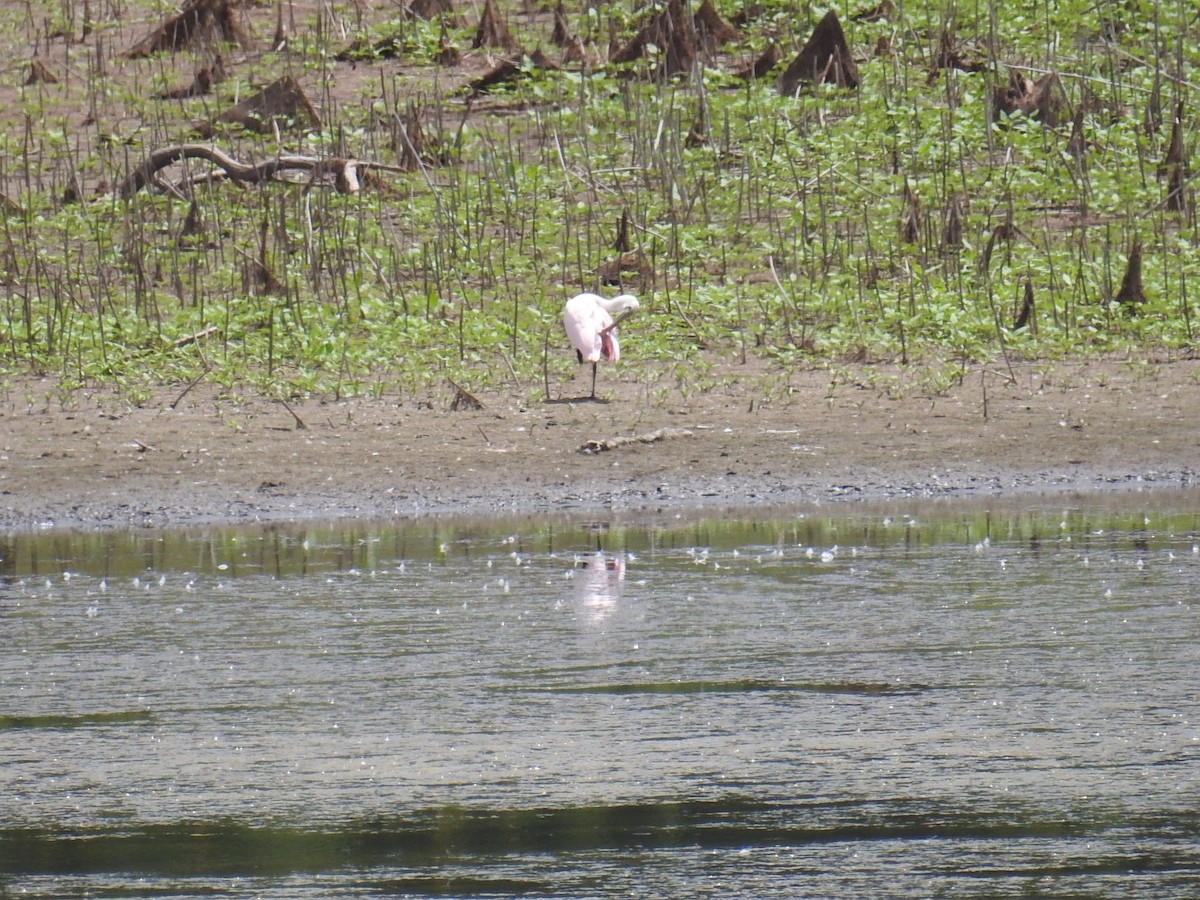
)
(591, 323)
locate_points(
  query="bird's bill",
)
(621, 317)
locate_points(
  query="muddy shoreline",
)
(91, 460)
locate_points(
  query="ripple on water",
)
(977, 704)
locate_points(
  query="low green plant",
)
(797, 231)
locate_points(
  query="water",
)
(967, 703)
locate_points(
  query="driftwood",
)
(345, 173)
(662, 434)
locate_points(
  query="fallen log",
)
(346, 174)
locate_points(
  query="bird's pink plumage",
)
(585, 320)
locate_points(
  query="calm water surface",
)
(947, 703)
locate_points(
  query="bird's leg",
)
(594, 380)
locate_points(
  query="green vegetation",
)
(812, 230)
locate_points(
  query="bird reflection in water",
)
(599, 580)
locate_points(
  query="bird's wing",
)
(609, 348)
(585, 319)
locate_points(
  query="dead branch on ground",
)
(346, 174)
(661, 434)
(464, 399)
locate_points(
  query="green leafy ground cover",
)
(785, 230)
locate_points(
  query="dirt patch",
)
(90, 460)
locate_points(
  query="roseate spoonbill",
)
(591, 323)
